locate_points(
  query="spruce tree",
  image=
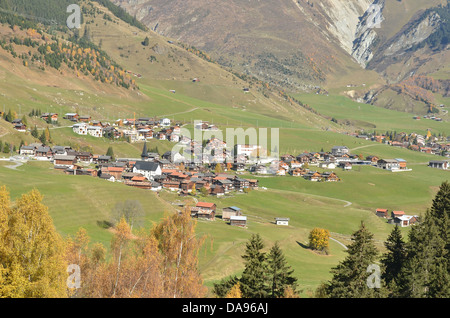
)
(279, 272)
(35, 132)
(144, 154)
(9, 116)
(110, 152)
(350, 277)
(426, 272)
(393, 260)
(253, 280)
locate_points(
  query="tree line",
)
(418, 267)
(36, 261)
(266, 274)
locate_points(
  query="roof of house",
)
(106, 176)
(146, 165)
(138, 178)
(234, 208)
(439, 161)
(43, 149)
(388, 160)
(104, 157)
(27, 148)
(63, 157)
(205, 205)
(238, 218)
(115, 169)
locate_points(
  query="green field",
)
(371, 117)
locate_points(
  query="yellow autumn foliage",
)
(319, 239)
(32, 262)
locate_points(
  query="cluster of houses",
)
(207, 211)
(139, 129)
(19, 125)
(232, 214)
(148, 172)
(431, 117)
(339, 158)
(397, 217)
(426, 144)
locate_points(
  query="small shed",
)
(282, 221)
(238, 220)
(230, 211)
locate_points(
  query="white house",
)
(327, 165)
(80, 129)
(149, 169)
(405, 220)
(250, 151)
(339, 150)
(27, 151)
(282, 221)
(95, 131)
(388, 164)
(165, 122)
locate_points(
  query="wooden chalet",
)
(206, 210)
(230, 211)
(382, 213)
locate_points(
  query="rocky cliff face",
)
(397, 50)
(366, 37)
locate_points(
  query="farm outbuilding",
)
(282, 221)
(238, 220)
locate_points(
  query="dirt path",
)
(342, 244)
(375, 144)
(16, 164)
(185, 112)
(347, 203)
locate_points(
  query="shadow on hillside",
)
(303, 245)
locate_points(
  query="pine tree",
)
(351, 275)
(110, 152)
(279, 273)
(42, 138)
(254, 277)
(144, 154)
(35, 132)
(426, 271)
(393, 260)
(9, 116)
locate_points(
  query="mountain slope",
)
(303, 44)
(269, 40)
